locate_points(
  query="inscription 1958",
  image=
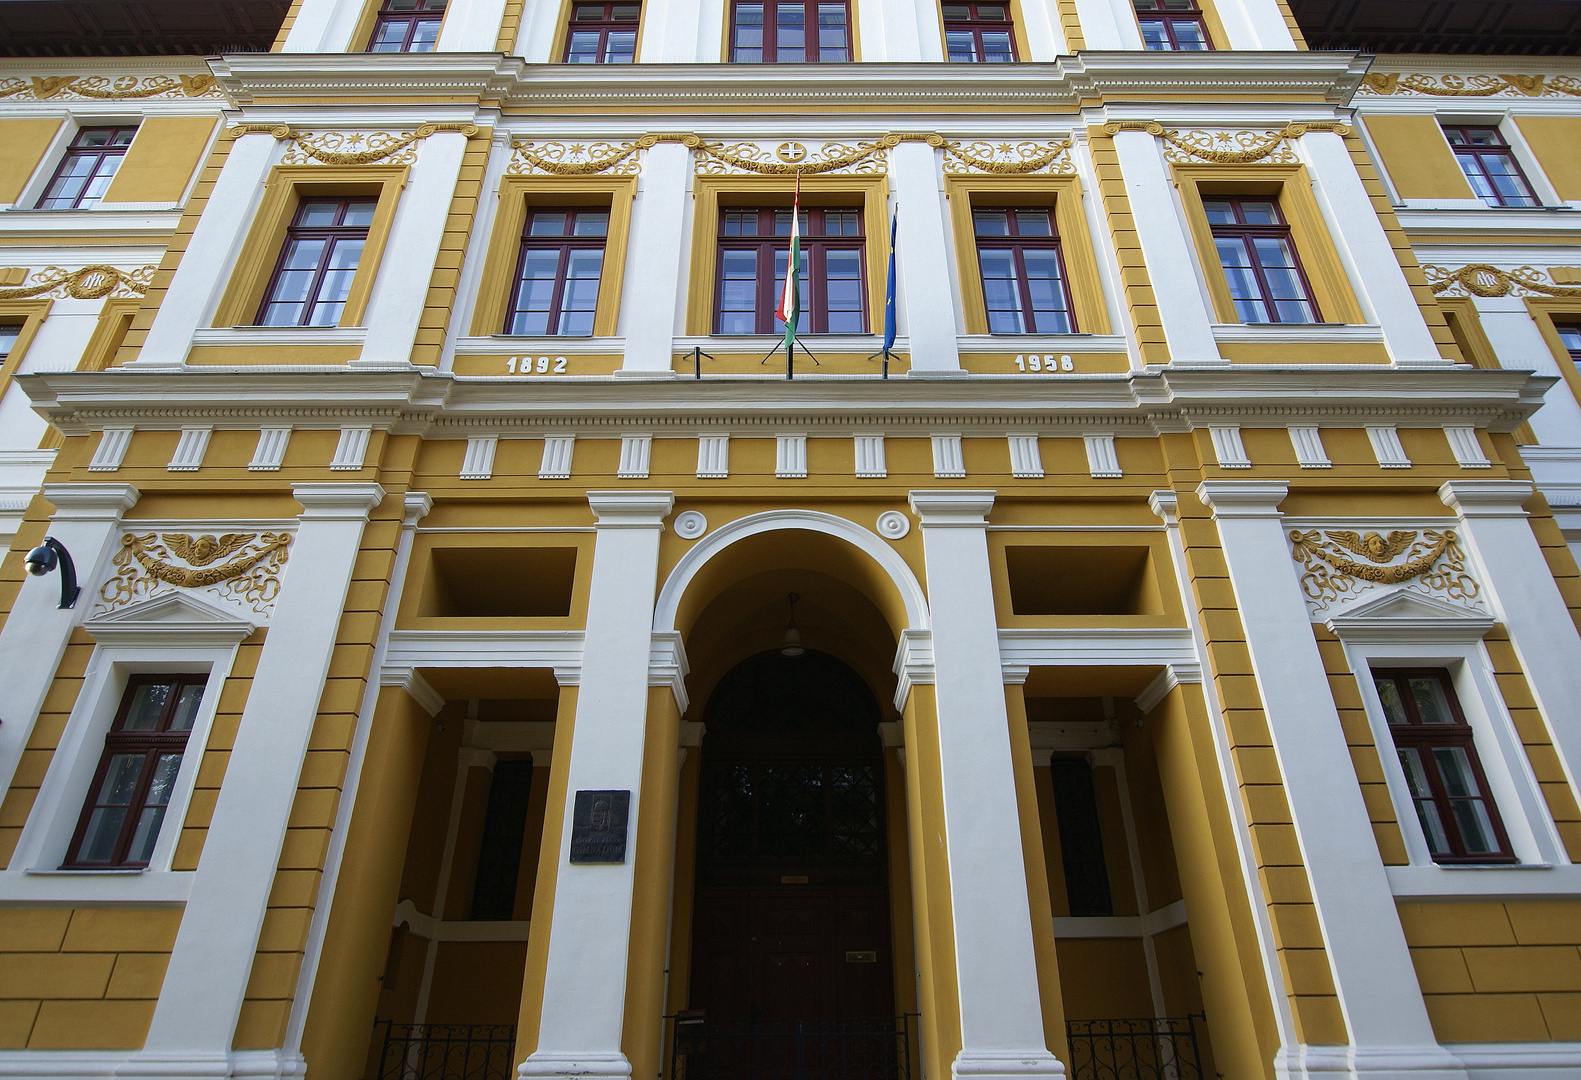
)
(598, 826)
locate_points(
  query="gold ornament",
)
(100, 88)
(88, 283)
(358, 148)
(1328, 575)
(1228, 147)
(1386, 83)
(1480, 279)
(1009, 159)
(252, 577)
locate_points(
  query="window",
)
(1441, 769)
(978, 33)
(132, 787)
(1569, 337)
(776, 31)
(407, 26)
(754, 249)
(557, 276)
(1259, 260)
(1172, 26)
(87, 169)
(1490, 166)
(1023, 277)
(602, 34)
(317, 263)
(9, 333)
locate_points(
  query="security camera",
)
(41, 560)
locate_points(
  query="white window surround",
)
(1454, 644)
(171, 633)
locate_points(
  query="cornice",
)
(513, 83)
(440, 405)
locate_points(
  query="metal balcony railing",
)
(1135, 1049)
(446, 1051)
(789, 1049)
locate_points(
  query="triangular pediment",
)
(1405, 613)
(173, 613)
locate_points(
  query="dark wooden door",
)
(761, 954)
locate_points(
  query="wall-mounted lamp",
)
(793, 646)
(46, 557)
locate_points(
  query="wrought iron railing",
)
(446, 1051)
(848, 1049)
(1135, 1049)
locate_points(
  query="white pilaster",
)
(655, 283)
(1254, 24)
(401, 289)
(1367, 249)
(713, 457)
(924, 254)
(33, 639)
(579, 1034)
(1026, 456)
(1171, 265)
(324, 26)
(195, 1019)
(1102, 461)
(1368, 957)
(471, 26)
(1308, 444)
(1104, 25)
(790, 456)
(206, 265)
(1001, 1022)
(113, 444)
(1520, 587)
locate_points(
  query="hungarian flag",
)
(789, 311)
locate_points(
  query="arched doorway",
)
(791, 916)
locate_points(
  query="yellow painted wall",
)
(25, 142)
(1420, 162)
(81, 979)
(160, 162)
(1556, 143)
(1363, 750)
(1498, 972)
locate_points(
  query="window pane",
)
(996, 46)
(425, 33)
(336, 283)
(1033, 223)
(359, 214)
(1154, 36)
(1219, 213)
(187, 707)
(102, 176)
(1001, 292)
(148, 700)
(110, 806)
(1506, 180)
(749, 33)
(1260, 213)
(1389, 694)
(580, 297)
(535, 292)
(583, 48)
(8, 337)
(781, 260)
(1569, 337)
(1471, 814)
(1048, 293)
(590, 223)
(1244, 289)
(843, 285)
(1422, 796)
(833, 44)
(738, 292)
(146, 833)
(790, 33)
(1189, 36)
(961, 46)
(1431, 703)
(991, 223)
(622, 47)
(550, 223)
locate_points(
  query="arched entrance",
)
(791, 917)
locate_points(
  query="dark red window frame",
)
(771, 238)
(1426, 738)
(972, 19)
(331, 234)
(770, 51)
(1486, 163)
(83, 151)
(413, 20)
(153, 743)
(1018, 245)
(1171, 17)
(1570, 337)
(595, 24)
(1248, 234)
(565, 243)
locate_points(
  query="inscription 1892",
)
(598, 826)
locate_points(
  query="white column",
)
(1519, 345)
(207, 263)
(889, 32)
(470, 26)
(35, 634)
(1001, 1020)
(585, 975)
(1170, 258)
(195, 1019)
(1369, 256)
(656, 261)
(923, 252)
(1105, 26)
(1254, 24)
(401, 289)
(1521, 590)
(322, 26)
(672, 36)
(1371, 965)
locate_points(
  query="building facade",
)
(498, 649)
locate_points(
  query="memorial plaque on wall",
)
(598, 826)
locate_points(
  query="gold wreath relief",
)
(1228, 147)
(252, 576)
(87, 283)
(1481, 279)
(1330, 574)
(1386, 83)
(100, 88)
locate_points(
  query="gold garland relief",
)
(252, 577)
(1386, 83)
(1228, 147)
(87, 283)
(349, 148)
(100, 88)
(1432, 556)
(788, 158)
(1480, 279)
